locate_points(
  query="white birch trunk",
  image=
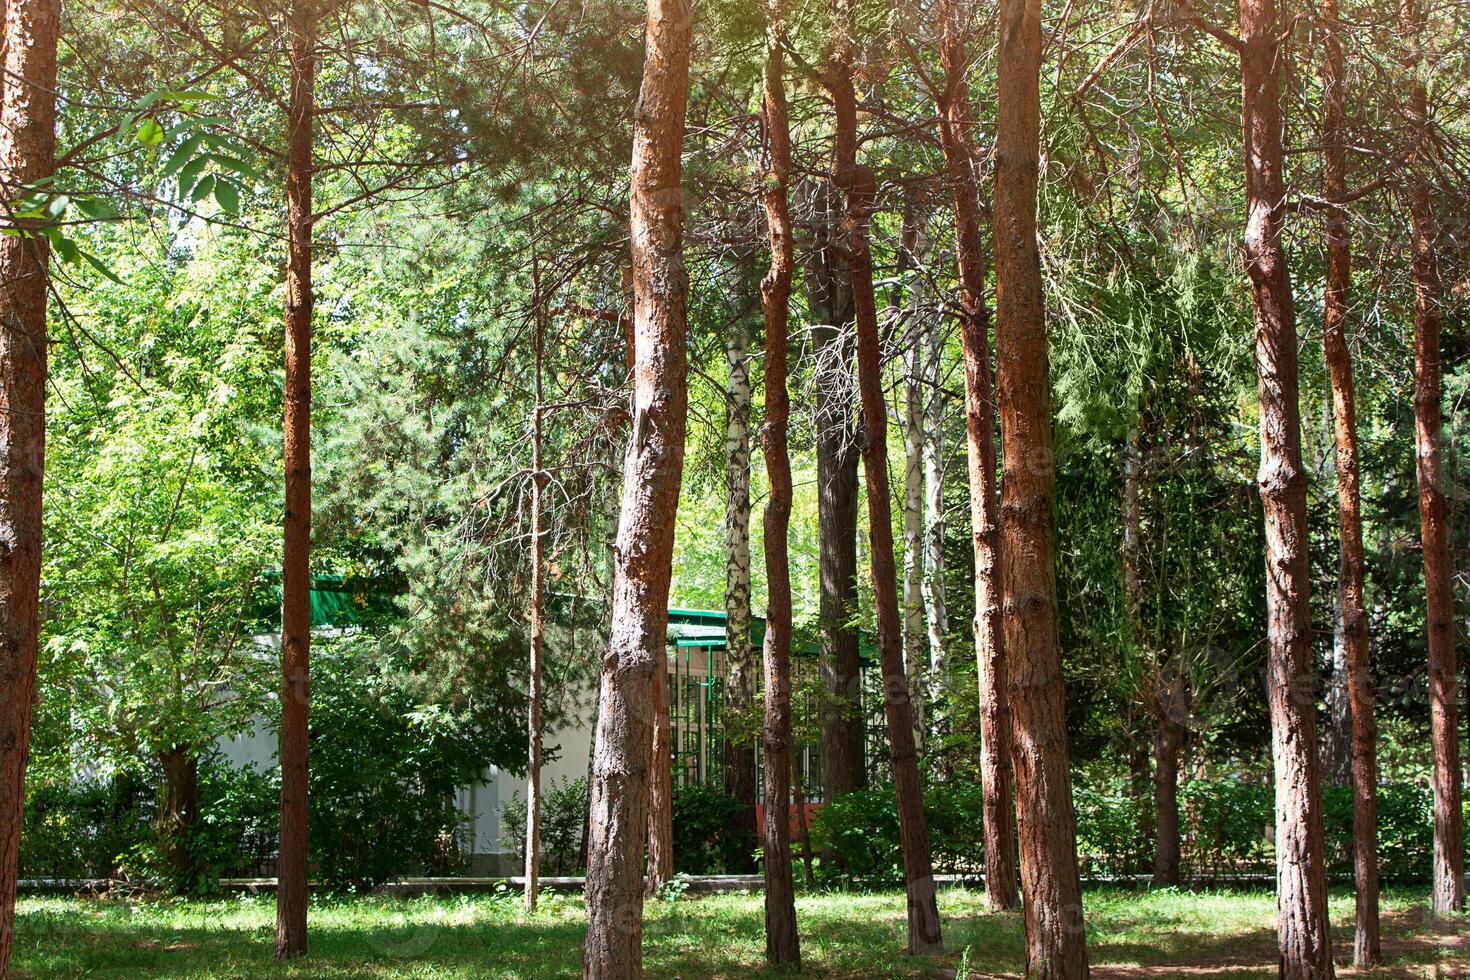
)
(913, 467)
(933, 453)
(737, 517)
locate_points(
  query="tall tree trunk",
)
(1335, 734)
(296, 557)
(1169, 731)
(179, 815)
(837, 506)
(1337, 722)
(1301, 894)
(935, 612)
(924, 935)
(739, 755)
(995, 719)
(611, 508)
(1351, 635)
(27, 154)
(1046, 824)
(537, 612)
(782, 946)
(1449, 833)
(652, 471)
(913, 463)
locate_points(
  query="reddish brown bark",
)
(782, 945)
(292, 870)
(1046, 824)
(1352, 620)
(924, 936)
(27, 154)
(1301, 894)
(652, 471)
(955, 131)
(1449, 833)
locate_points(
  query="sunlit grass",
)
(843, 934)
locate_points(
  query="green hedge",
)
(708, 835)
(85, 830)
(1226, 831)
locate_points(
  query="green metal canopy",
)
(705, 628)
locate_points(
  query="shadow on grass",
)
(1130, 935)
(387, 941)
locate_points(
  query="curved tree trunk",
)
(837, 504)
(1301, 894)
(955, 131)
(27, 154)
(782, 946)
(1046, 824)
(1449, 833)
(652, 471)
(739, 756)
(1351, 635)
(296, 559)
(857, 182)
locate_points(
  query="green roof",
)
(705, 628)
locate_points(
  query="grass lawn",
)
(1130, 934)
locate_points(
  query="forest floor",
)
(1131, 934)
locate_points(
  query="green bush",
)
(239, 819)
(1108, 841)
(1405, 833)
(709, 835)
(84, 830)
(386, 767)
(861, 832)
(107, 829)
(563, 822)
(236, 832)
(1226, 830)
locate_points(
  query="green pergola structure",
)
(697, 644)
